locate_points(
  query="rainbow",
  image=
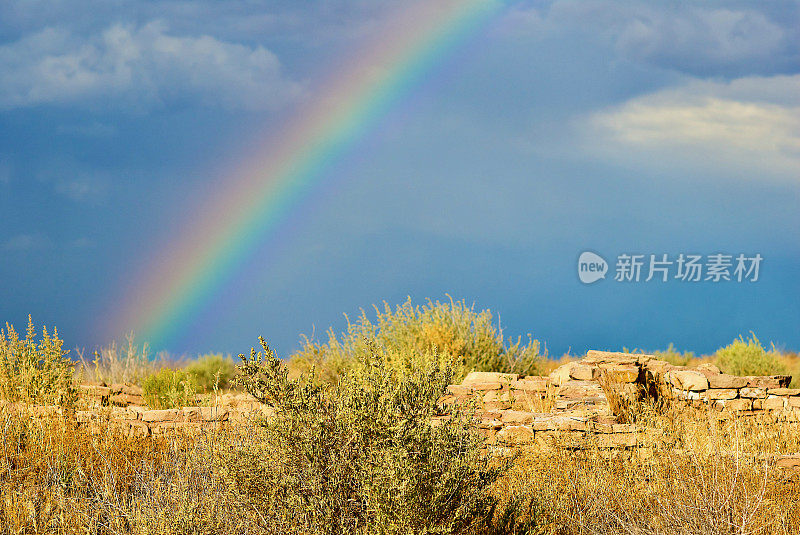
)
(257, 196)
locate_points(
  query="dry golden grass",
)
(119, 363)
(56, 477)
(705, 476)
(697, 474)
(585, 493)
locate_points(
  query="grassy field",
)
(57, 478)
(351, 448)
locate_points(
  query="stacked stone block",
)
(118, 395)
(140, 421)
(707, 386)
(704, 386)
(569, 408)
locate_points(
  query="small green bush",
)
(361, 456)
(451, 331)
(35, 372)
(748, 357)
(169, 389)
(211, 371)
(675, 357)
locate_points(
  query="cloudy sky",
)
(553, 128)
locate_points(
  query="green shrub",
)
(748, 357)
(211, 371)
(35, 372)
(451, 331)
(361, 456)
(169, 389)
(675, 357)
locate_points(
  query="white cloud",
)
(690, 37)
(750, 125)
(701, 38)
(322, 23)
(140, 66)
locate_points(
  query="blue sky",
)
(557, 127)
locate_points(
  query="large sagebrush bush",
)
(362, 455)
(35, 371)
(748, 357)
(451, 331)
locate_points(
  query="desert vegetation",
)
(448, 331)
(35, 371)
(351, 444)
(706, 478)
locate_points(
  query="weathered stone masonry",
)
(567, 409)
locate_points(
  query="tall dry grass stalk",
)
(121, 363)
